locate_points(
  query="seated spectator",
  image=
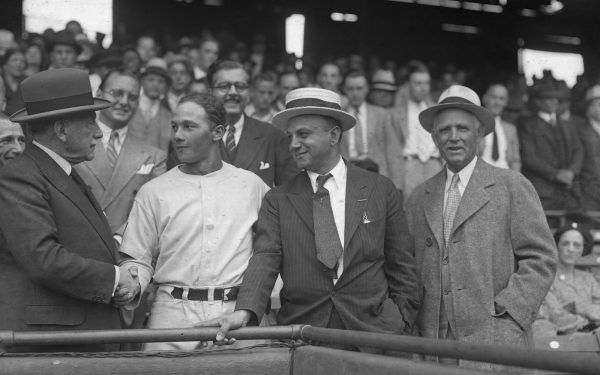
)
(501, 147)
(383, 88)
(152, 120)
(13, 72)
(287, 82)
(262, 97)
(12, 140)
(132, 62)
(36, 59)
(589, 135)
(63, 50)
(199, 86)
(181, 74)
(551, 153)
(573, 302)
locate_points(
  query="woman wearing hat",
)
(573, 302)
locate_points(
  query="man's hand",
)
(565, 176)
(128, 287)
(226, 323)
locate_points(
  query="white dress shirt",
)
(194, 231)
(148, 107)
(336, 185)
(419, 142)
(488, 143)
(595, 126)
(106, 131)
(239, 127)
(361, 125)
(66, 166)
(550, 118)
(464, 177)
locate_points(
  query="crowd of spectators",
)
(547, 131)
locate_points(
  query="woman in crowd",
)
(13, 72)
(36, 59)
(573, 302)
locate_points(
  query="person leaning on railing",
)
(573, 302)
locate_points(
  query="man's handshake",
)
(128, 287)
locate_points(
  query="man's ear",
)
(60, 130)
(335, 135)
(218, 132)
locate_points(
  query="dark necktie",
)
(495, 152)
(329, 247)
(230, 145)
(84, 189)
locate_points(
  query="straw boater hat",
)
(384, 80)
(56, 93)
(313, 101)
(458, 97)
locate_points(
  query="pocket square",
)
(145, 169)
(365, 218)
(264, 165)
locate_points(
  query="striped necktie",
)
(230, 145)
(111, 149)
(451, 207)
(327, 239)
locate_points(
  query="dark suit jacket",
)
(57, 262)
(540, 161)
(115, 189)
(377, 289)
(590, 170)
(264, 150)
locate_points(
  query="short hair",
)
(186, 65)
(119, 72)
(264, 77)
(287, 73)
(588, 240)
(207, 39)
(9, 52)
(215, 112)
(219, 65)
(355, 74)
(416, 66)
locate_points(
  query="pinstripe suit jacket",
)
(377, 290)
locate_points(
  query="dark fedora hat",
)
(57, 93)
(64, 37)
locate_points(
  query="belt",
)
(218, 294)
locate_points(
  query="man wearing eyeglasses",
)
(248, 143)
(125, 163)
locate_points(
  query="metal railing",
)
(583, 363)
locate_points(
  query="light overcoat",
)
(500, 251)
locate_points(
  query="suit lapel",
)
(64, 184)
(250, 141)
(357, 191)
(434, 205)
(300, 195)
(131, 158)
(99, 166)
(475, 195)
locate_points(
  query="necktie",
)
(451, 207)
(111, 149)
(358, 135)
(84, 189)
(329, 247)
(495, 152)
(230, 145)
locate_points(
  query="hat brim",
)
(347, 121)
(164, 75)
(22, 116)
(485, 117)
(384, 87)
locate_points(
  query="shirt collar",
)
(338, 173)
(106, 130)
(239, 125)
(62, 162)
(548, 117)
(464, 174)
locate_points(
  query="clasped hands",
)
(128, 287)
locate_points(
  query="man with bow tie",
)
(335, 233)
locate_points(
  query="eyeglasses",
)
(118, 94)
(226, 86)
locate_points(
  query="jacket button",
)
(445, 261)
(428, 241)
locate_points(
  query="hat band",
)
(456, 100)
(311, 102)
(64, 102)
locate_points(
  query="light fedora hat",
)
(592, 94)
(313, 101)
(458, 97)
(55, 93)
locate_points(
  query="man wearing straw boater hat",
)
(335, 233)
(483, 248)
(58, 265)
